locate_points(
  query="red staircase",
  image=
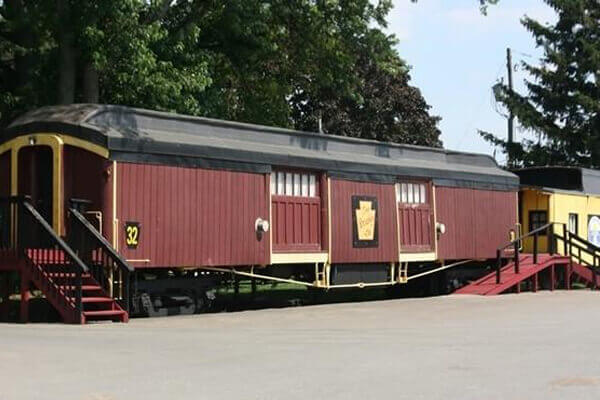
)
(532, 271)
(81, 276)
(52, 273)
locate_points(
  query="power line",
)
(522, 53)
(470, 125)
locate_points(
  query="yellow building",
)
(566, 196)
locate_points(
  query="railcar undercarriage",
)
(162, 292)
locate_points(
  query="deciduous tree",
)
(276, 62)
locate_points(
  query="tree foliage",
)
(276, 62)
(562, 106)
(385, 107)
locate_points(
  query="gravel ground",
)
(527, 346)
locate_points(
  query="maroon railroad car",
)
(197, 197)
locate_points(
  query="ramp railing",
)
(515, 245)
(574, 246)
(581, 250)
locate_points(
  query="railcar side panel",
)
(477, 221)
(5, 174)
(343, 249)
(191, 216)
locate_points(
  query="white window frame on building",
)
(573, 223)
(295, 184)
(412, 193)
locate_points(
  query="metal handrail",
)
(529, 234)
(61, 243)
(102, 240)
(94, 248)
(22, 205)
(515, 243)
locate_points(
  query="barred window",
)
(411, 193)
(537, 219)
(293, 184)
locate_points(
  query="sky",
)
(456, 54)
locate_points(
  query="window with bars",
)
(293, 184)
(411, 193)
(537, 219)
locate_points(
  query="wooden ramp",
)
(550, 272)
(580, 263)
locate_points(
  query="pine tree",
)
(562, 106)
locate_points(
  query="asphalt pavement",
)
(530, 346)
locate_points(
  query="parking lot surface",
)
(527, 346)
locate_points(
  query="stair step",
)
(104, 313)
(66, 275)
(93, 299)
(84, 288)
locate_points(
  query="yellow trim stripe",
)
(22, 141)
(299, 258)
(434, 205)
(115, 224)
(397, 221)
(411, 257)
(329, 227)
(82, 144)
(56, 142)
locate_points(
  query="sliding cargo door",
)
(415, 216)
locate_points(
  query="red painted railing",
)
(573, 247)
(30, 235)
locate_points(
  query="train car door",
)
(415, 216)
(35, 178)
(5, 170)
(85, 184)
(296, 211)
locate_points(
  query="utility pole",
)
(511, 117)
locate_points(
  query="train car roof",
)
(139, 135)
(568, 179)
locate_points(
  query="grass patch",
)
(287, 294)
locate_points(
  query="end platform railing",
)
(26, 233)
(106, 265)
